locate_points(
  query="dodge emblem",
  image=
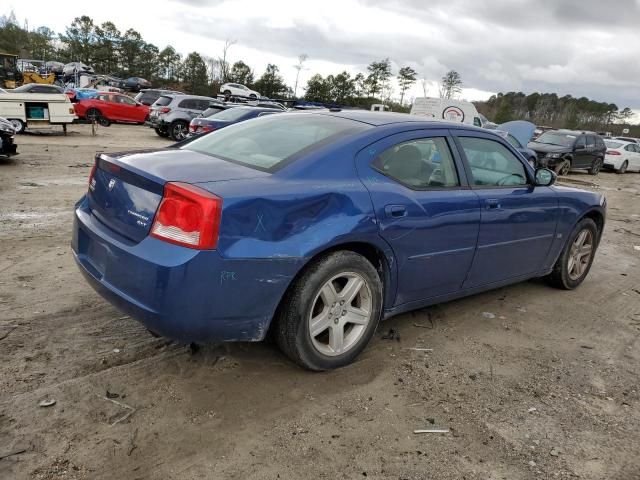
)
(112, 183)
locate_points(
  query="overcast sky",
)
(578, 47)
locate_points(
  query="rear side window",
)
(276, 140)
(188, 103)
(163, 101)
(420, 164)
(492, 164)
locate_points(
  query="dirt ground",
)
(531, 382)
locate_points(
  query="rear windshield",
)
(557, 138)
(163, 101)
(232, 114)
(613, 144)
(211, 111)
(273, 141)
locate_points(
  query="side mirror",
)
(545, 177)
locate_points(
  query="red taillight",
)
(188, 216)
(613, 152)
(165, 110)
(192, 127)
(91, 175)
(208, 128)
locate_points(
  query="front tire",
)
(575, 261)
(563, 167)
(623, 167)
(331, 312)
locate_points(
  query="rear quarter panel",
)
(299, 212)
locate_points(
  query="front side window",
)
(276, 140)
(581, 143)
(420, 164)
(591, 141)
(513, 141)
(125, 100)
(492, 164)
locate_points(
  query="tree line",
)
(553, 110)
(113, 52)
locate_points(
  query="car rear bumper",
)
(614, 163)
(180, 293)
(156, 122)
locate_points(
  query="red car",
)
(107, 107)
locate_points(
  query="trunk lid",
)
(127, 188)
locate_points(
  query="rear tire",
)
(334, 291)
(178, 130)
(623, 167)
(573, 265)
(595, 168)
(161, 132)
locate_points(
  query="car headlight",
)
(553, 155)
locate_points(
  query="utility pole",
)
(301, 59)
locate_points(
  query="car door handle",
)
(395, 211)
(493, 203)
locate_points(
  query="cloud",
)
(572, 47)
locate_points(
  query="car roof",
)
(378, 119)
(182, 95)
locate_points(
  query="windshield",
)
(613, 144)
(557, 138)
(271, 142)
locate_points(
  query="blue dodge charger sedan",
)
(315, 226)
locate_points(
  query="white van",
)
(447, 110)
(25, 110)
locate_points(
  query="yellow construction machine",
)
(10, 76)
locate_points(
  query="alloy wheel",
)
(340, 314)
(580, 254)
(179, 131)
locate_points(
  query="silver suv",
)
(170, 115)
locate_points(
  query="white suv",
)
(238, 90)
